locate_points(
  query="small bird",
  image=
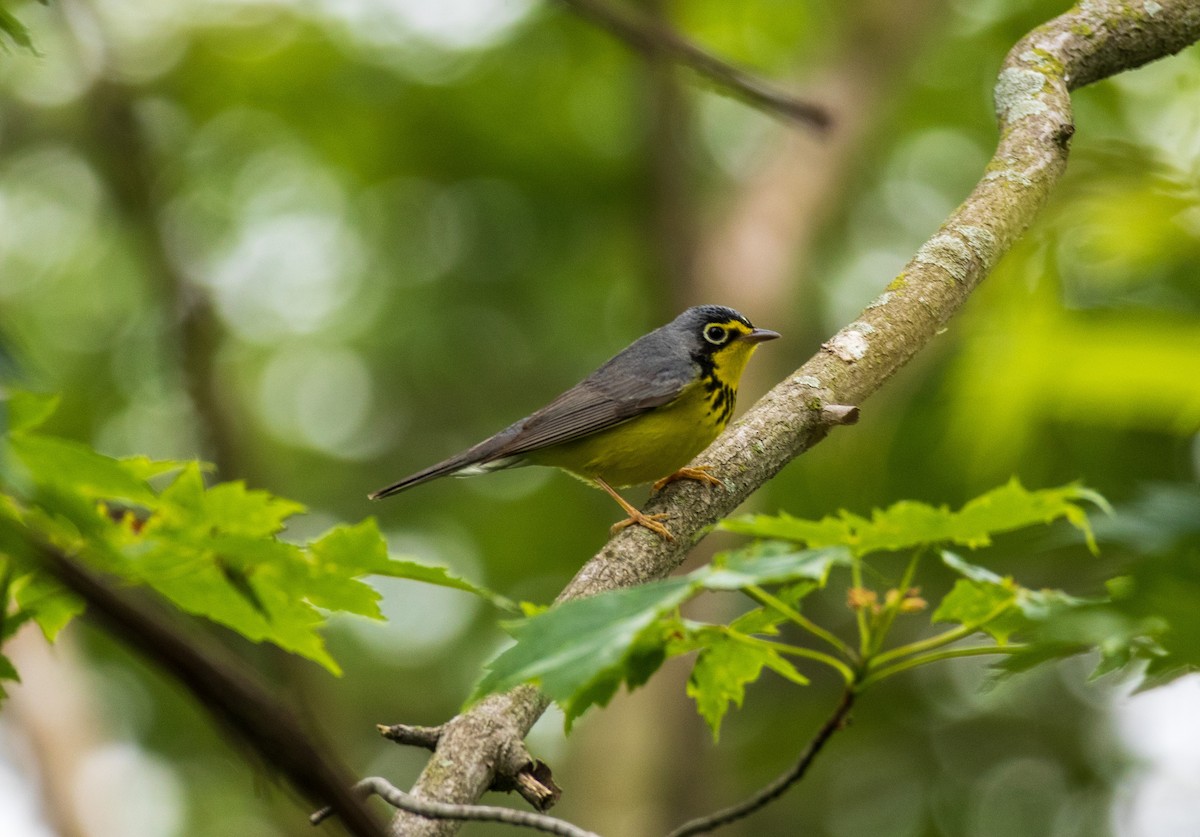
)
(641, 416)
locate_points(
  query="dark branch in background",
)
(669, 158)
(1033, 107)
(771, 792)
(443, 810)
(653, 38)
(225, 689)
(117, 146)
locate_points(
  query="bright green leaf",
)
(233, 508)
(75, 468)
(982, 605)
(444, 578)
(581, 651)
(361, 550)
(282, 618)
(1012, 506)
(727, 662)
(909, 524)
(829, 531)
(970, 571)
(145, 468)
(770, 563)
(47, 602)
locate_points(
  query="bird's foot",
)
(700, 474)
(650, 521)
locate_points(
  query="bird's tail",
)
(465, 464)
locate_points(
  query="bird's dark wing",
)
(588, 408)
(649, 373)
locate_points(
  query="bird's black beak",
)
(760, 335)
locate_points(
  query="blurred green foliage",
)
(325, 244)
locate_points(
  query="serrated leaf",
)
(727, 662)
(1012, 506)
(829, 531)
(75, 468)
(145, 468)
(970, 571)
(361, 550)
(47, 602)
(442, 577)
(777, 563)
(987, 606)
(235, 509)
(760, 620)
(580, 652)
(338, 558)
(909, 524)
(292, 623)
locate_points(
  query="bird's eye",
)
(716, 334)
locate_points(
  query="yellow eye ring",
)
(716, 334)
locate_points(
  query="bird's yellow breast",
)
(662, 440)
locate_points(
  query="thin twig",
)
(649, 36)
(444, 810)
(891, 610)
(765, 796)
(412, 736)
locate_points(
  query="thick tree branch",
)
(225, 689)
(1092, 41)
(654, 38)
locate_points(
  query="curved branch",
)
(397, 798)
(772, 791)
(652, 37)
(1090, 42)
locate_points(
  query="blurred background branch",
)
(652, 36)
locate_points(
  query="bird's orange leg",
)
(700, 474)
(650, 521)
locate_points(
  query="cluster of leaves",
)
(210, 550)
(581, 652)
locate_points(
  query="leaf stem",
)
(890, 611)
(819, 656)
(921, 659)
(962, 631)
(860, 613)
(766, 599)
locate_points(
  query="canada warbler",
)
(643, 414)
